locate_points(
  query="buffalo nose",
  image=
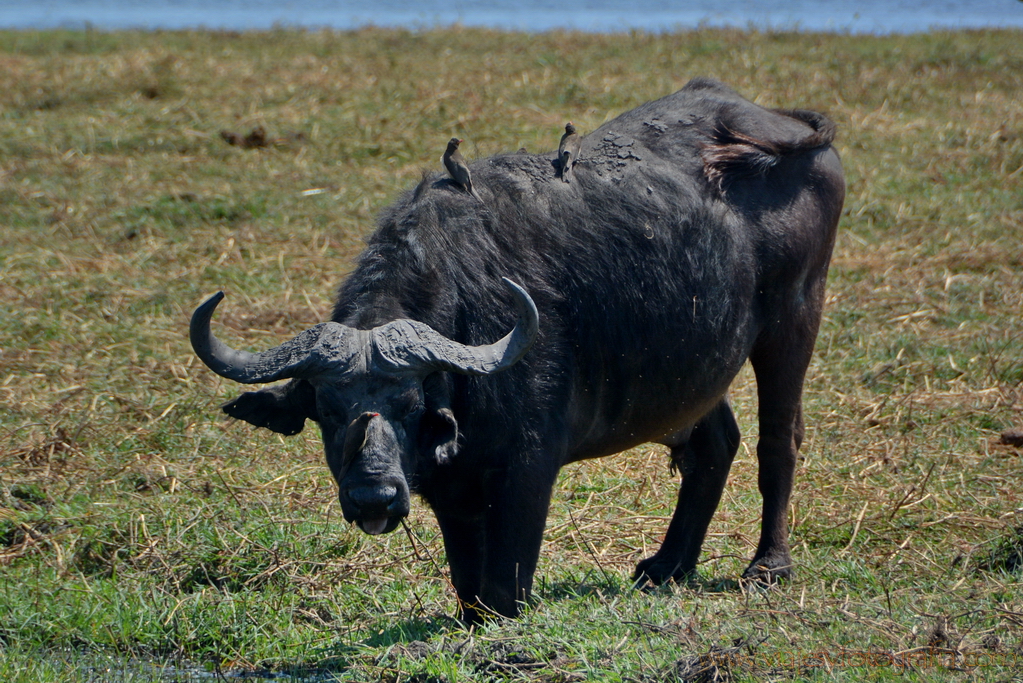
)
(372, 500)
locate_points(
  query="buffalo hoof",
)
(769, 569)
(657, 571)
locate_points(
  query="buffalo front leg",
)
(705, 459)
(492, 538)
(463, 543)
(516, 515)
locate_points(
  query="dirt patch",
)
(1012, 437)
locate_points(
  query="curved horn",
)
(312, 351)
(410, 346)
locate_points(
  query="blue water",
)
(855, 16)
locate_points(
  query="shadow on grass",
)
(1005, 554)
(594, 583)
(340, 658)
(696, 583)
(413, 638)
(418, 628)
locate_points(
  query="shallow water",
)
(857, 16)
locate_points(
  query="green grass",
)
(143, 537)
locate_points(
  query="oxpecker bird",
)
(455, 164)
(568, 150)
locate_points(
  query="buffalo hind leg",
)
(780, 366)
(705, 459)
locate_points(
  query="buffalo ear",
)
(282, 408)
(438, 435)
(438, 428)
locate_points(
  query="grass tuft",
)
(1007, 553)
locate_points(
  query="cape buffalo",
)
(696, 234)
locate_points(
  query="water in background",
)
(856, 16)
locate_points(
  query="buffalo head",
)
(375, 394)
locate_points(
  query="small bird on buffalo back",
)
(568, 150)
(456, 167)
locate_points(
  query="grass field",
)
(143, 537)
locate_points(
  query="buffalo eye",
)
(333, 416)
(331, 409)
(411, 404)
